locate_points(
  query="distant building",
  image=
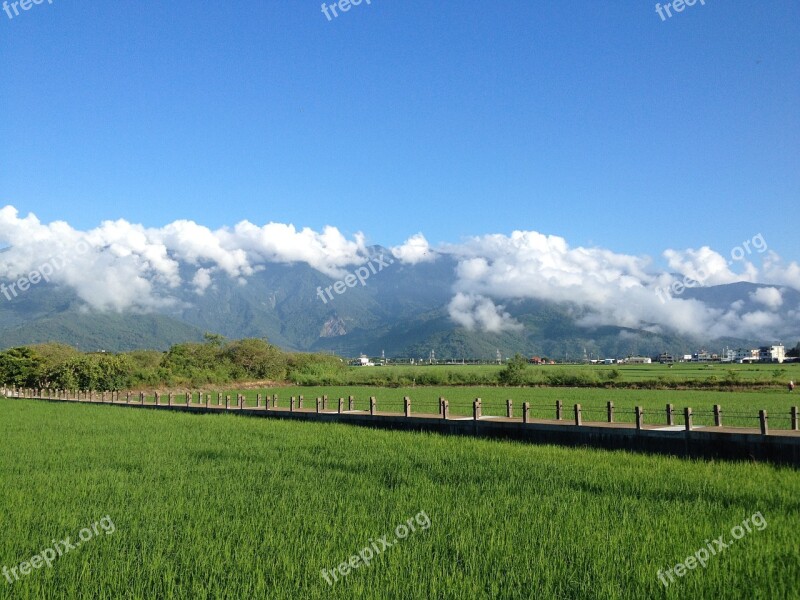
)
(362, 361)
(639, 360)
(665, 358)
(739, 355)
(772, 354)
(536, 360)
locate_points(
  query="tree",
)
(514, 371)
(257, 358)
(214, 339)
(21, 367)
(189, 358)
(92, 372)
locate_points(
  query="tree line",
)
(215, 361)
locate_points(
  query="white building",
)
(772, 354)
(639, 360)
(363, 361)
(740, 355)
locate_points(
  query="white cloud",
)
(414, 250)
(775, 271)
(124, 266)
(770, 297)
(610, 288)
(705, 266)
(477, 312)
(201, 280)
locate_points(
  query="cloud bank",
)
(122, 266)
(617, 289)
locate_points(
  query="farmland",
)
(678, 375)
(221, 506)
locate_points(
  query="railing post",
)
(325, 402)
(406, 406)
(127, 397)
(227, 401)
(670, 417)
(639, 417)
(509, 409)
(141, 397)
(445, 409)
(341, 405)
(762, 417)
(687, 416)
(208, 400)
(610, 411)
(158, 399)
(717, 415)
(274, 400)
(559, 410)
(258, 400)
(300, 401)
(578, 415)
(319, 403)
(291, 404)
(441, 406)
(219, 398)
(526, 407)
(794, 418)
(350, 402)
(373, 405)
(476, 409)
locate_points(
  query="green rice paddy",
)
(225, 506)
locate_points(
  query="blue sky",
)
(595, 121)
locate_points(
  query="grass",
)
(691, 375)
(210, 506)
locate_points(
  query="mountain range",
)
(401, 310)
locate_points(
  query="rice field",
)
(222, 506)
(654, 375)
